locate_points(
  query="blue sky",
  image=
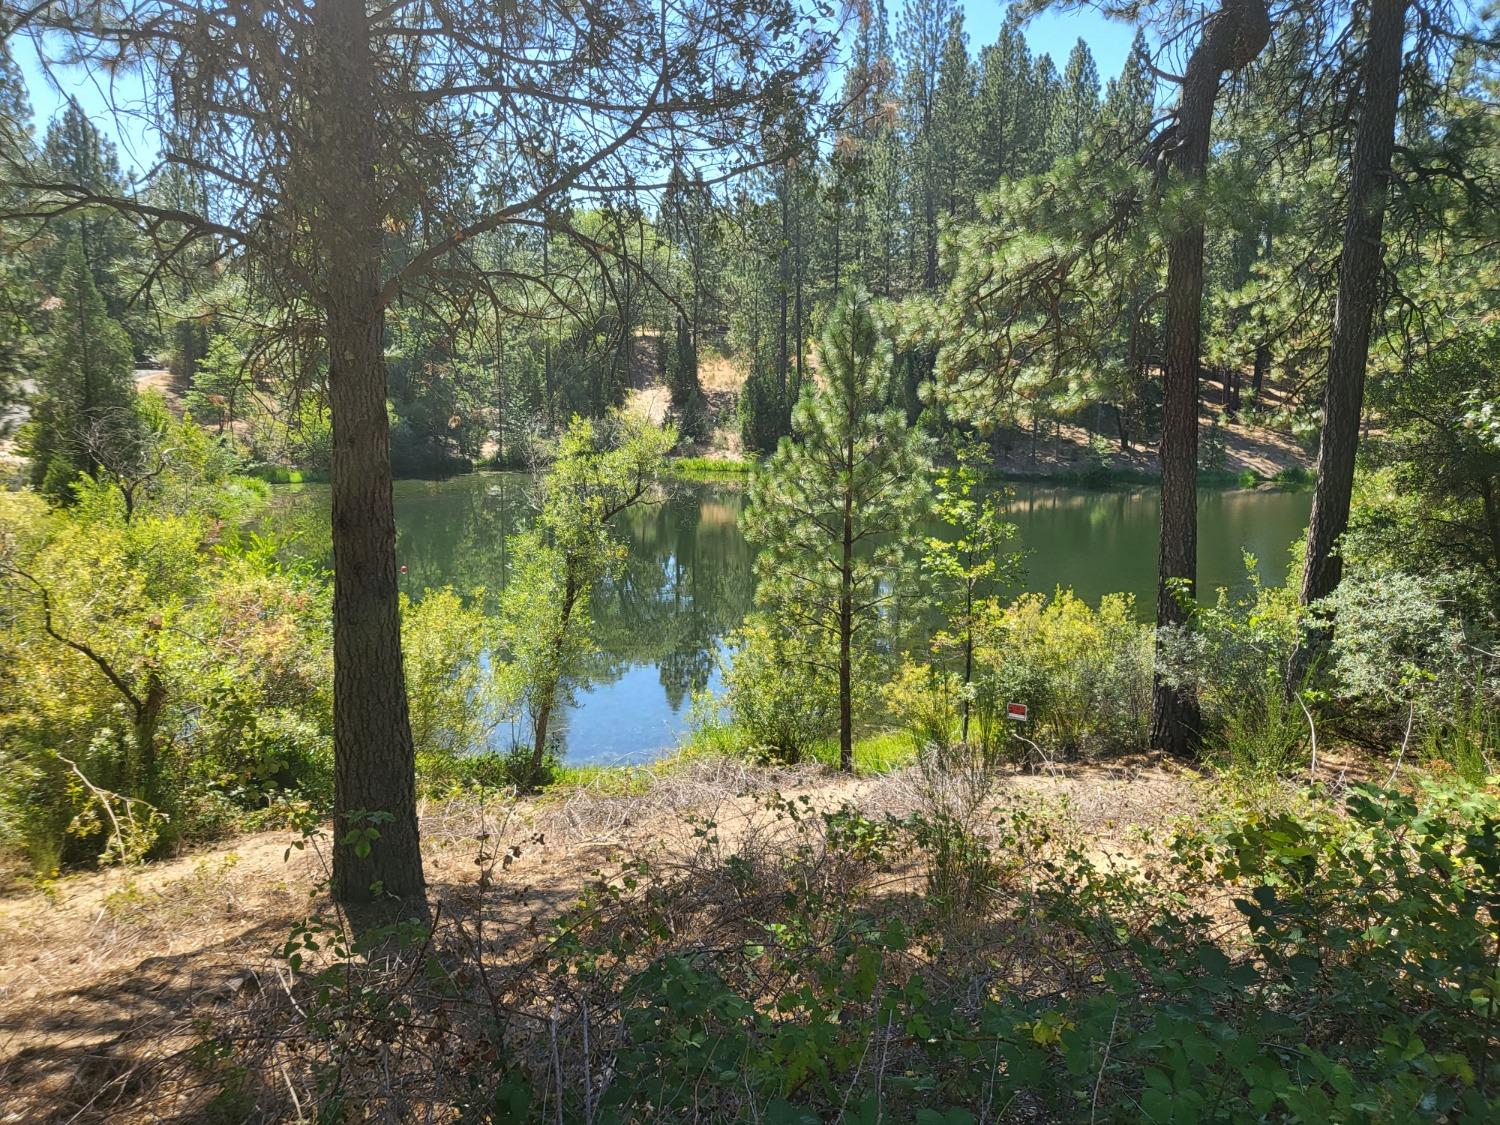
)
(1052, 33)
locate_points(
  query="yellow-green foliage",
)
(927, 702)
(779, 691)
(154, 674)
(1085, 674)
(454, 697)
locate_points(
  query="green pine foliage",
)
(829, 508)
(85, 413)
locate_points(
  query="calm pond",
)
(689, 580)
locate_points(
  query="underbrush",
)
(956, 960)
(875, 753)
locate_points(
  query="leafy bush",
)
(1084, 674)
(1362, 989)
(782, 704)
(1403, 641)
(155, 668)
(1235, 652)
(927, 703)
(455, 700)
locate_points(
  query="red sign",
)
(1016, 711)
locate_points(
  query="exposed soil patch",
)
(109, 977)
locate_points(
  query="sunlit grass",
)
(873, 754)
(280, 474)
(608, 781)
(710, 468)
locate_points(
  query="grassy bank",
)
(873, 754)
(280, 474)
(710, 468)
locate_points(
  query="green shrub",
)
(780, 701)
(1363, 990)
(1234, 652)
(963, 871)
(153, 672)
(1466, 739)
(926, 703)
(1084, 674)
(1261, 734)
(1403, 642)
(454, 698)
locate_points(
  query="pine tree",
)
(75, 150)
(16, 280)
(1355, 305)
(1230, 40)
(1005, 76)
(1129, 99)
(828, 507)
(85, 416)
(1078, 103)
(1037, 132)
(764, 414)
(955, 127)
(925, 31)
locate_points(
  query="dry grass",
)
(149, 994)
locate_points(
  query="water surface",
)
(689, 582)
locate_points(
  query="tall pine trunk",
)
(1232, 37)
(374, 763)
(846, 614)
(1353, 313)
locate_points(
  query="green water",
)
(689, 579)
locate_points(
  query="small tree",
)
(763, 408)
(215, 383)
(830, 508)
(970, 564)
(600, 470)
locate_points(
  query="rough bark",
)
(846, 621)
(147, 722)
(374, 762)
(1354, 307)
(1232, 37)
(1258, 379)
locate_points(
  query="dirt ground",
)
(1057, 451)
(106, 975)
(1064, 448)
